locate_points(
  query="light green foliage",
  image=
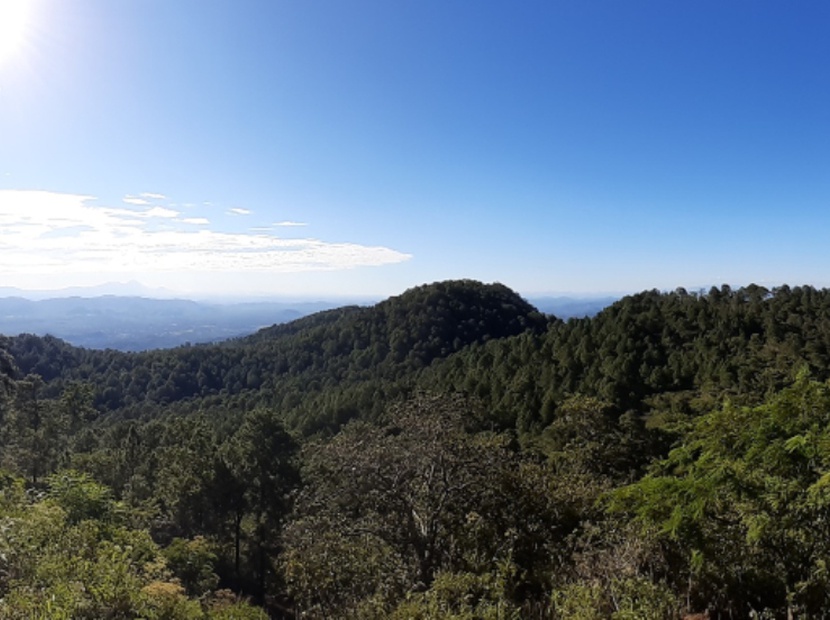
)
(81, 497)
(55, 565)
(622, 598)
(224, 605)
(460, 596)
(65, 556)
(580, 601)
(639, 598)
(193, 562)
(744, 496)
(163, 600)
(12, 493)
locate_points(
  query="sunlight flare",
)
(14, 16)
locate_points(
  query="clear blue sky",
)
(363, 147)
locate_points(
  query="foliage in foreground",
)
(70, 553)
(643, 464)
(744, 502)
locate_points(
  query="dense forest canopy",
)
(447, 453)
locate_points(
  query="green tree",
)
(746, 497)
(38, 433)
(77, 405)
(193, 563)
(387, 507)
(263, 455)
(186, 464)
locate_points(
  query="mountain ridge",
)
(394, 338)
(133, 323)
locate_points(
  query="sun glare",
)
(13, 20)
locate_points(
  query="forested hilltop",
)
(447, 453)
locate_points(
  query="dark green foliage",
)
(422, 503)
(649, 352)
(462, 457)
(262, 457)
(286, 364)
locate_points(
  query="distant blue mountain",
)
(572, 307)
(136, 322)
(140, 323)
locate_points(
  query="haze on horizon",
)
(359, 149)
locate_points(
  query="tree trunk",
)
(236, 536)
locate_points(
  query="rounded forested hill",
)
(383, 342)
(651, 351)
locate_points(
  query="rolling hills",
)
(448, 452)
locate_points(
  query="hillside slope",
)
(652, 352)
(287, 363)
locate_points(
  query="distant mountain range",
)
(572, 307)
(131, 317)
(120, 289)
(139, 323)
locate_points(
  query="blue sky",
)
(363, 147)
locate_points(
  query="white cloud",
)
(238, 211)
(153, 196)
(159, 212)
(134, 200)
(48, 233)
(289, 223)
